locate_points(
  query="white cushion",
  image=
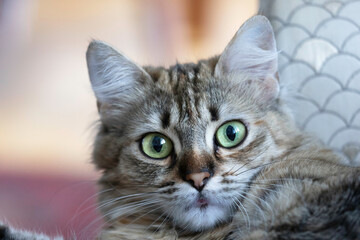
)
(319, 42)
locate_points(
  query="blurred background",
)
(47, 110)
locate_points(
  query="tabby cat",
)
(210, 151)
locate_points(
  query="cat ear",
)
(252, 53)
(113, 76)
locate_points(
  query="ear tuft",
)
(252, 55)
(252, 51)
(112, 75)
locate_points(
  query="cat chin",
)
(197, 219)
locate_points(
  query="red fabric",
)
(53, 205)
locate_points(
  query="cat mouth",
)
(202, 202)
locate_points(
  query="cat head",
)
(185, 142)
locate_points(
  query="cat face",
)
(184, 143)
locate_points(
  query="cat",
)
(210, 150)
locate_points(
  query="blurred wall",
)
(47, 110)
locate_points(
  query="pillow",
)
(319, 42)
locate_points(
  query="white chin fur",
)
(186, 213)
(190, 217)
(199, 219)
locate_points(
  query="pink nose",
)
(198, 180)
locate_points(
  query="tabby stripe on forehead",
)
(165, 119)
(214, 113)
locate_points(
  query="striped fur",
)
(278, 184)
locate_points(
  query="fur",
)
(7, 233)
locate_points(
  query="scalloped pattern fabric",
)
(319, 42)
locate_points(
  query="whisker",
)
(253, 203)
(122, 198)
(279, 179)
(265, 182)
(241, 207)
(129, 206)
(226, 173)
(145, 214)
(84, 230)
(130, 209)
(253, 160)
(163, 221)
(267, 205)
(150, 205)
(262, 165)
(77, 213)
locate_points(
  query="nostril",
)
(191, 182)
(205, 180)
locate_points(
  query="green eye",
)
(156, 145)
(230, 134)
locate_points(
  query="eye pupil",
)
(157, 143)
(231, 132)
